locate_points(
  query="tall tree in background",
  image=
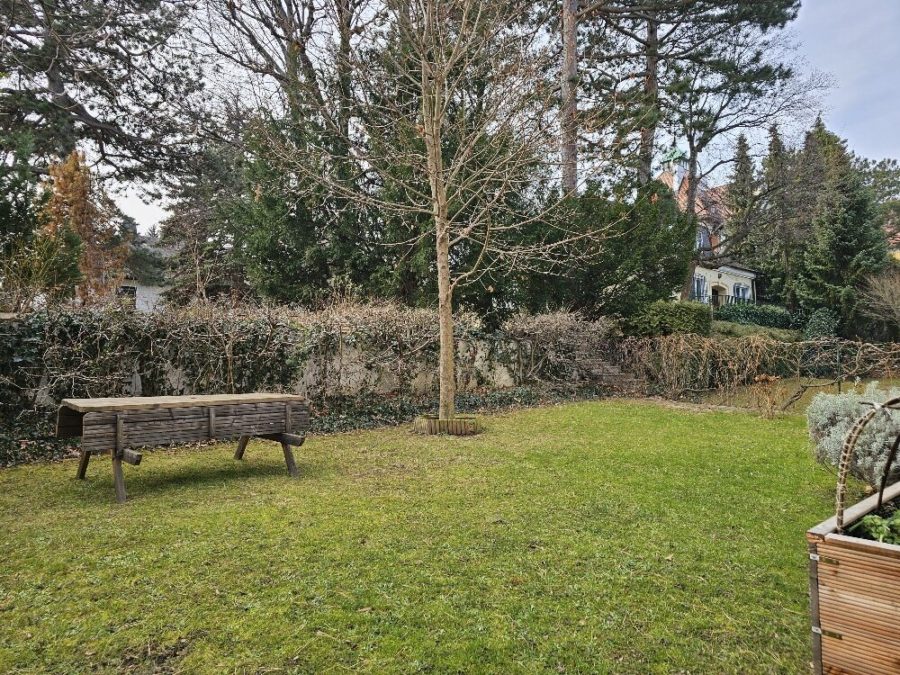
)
(291, 66)
(205, 264)
(636, 53)
(790, 184)
(883, 177)
(110, 77)
(742, 187)
(459, 144)
(847, 244)
(76, 204)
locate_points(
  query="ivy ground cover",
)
(619, 537)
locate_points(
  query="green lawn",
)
(617, 537)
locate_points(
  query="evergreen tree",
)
(741, 194)
(103, 75)
(777, 237)
(21, 197)
(642, 257)
(847, 244)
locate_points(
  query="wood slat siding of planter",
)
(117, 426)
(854, 599)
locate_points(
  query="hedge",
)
(357, 364)
(770, 316)
(823, 323)
(668, 318)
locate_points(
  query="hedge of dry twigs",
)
(679, 365)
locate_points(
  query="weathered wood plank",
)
(83, 464)
(178, 414)
(118, 475)
(159, 429)
(241, 447)
(152, 402)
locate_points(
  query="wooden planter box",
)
(854, 593)
(461, 425)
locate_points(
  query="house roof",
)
(711, 208)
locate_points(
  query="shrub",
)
(829, 418)
(678, 365)
(730, 329)
(771, 316)
(823, 323)
(665, 318)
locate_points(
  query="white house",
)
(723, 284)
(718, 279)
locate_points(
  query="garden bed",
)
(853, 579)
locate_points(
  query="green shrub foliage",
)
(822, 323)
(770, 316)
(830, 417)
(667, 318)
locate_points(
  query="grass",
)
(620, 537)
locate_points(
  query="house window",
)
(741, 292)
(700, 288)
(703, 243)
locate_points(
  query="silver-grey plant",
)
(830, 417)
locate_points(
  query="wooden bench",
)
(119, 425)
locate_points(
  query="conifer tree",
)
(847, 244)
(742, 188)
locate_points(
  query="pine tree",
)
(111, 77)
(781, 235)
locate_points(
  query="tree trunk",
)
(433, 91)
(688, 286)
(651, 102)
(693, 182)
(568, 114)
(447, 358)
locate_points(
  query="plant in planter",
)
(854, 564)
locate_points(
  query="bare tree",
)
(881, 298)
(454, 128)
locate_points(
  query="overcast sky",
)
(855, 41)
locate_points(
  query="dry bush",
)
(555, 344)
(679, 365)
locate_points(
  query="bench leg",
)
(289, 460)
(242, 445)
(119, 478)
(83, 463)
